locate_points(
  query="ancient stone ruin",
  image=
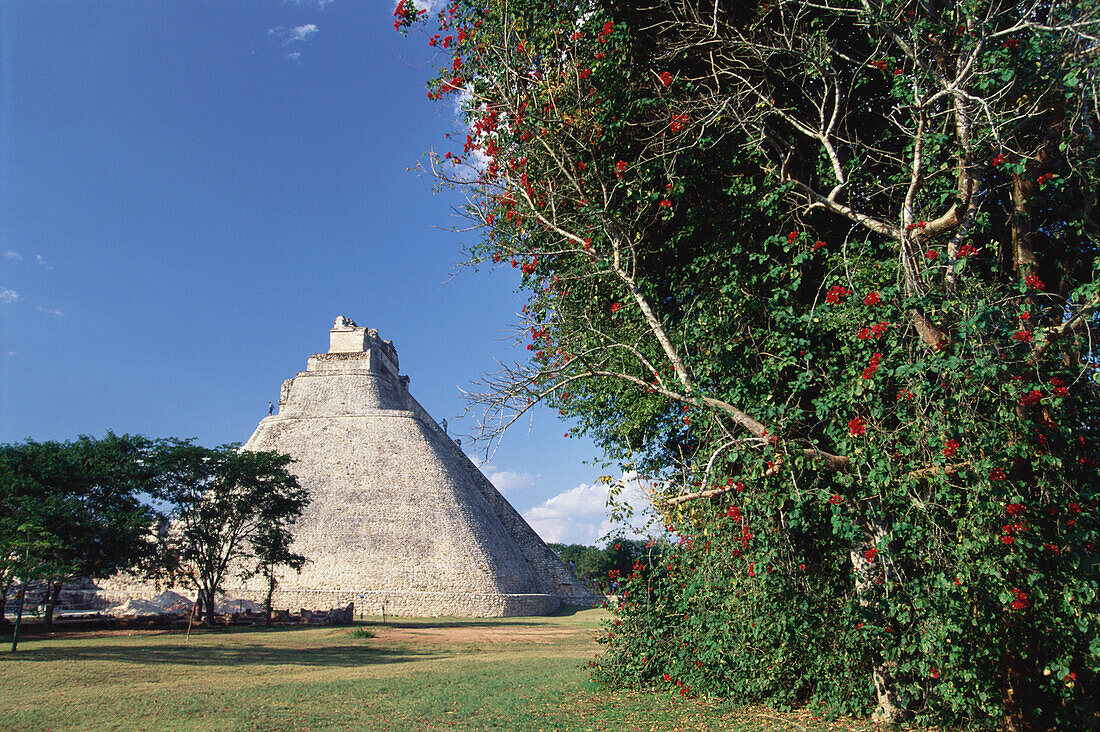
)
(400, 520)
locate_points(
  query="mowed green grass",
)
(421, 674)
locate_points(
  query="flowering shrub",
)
(878, 455)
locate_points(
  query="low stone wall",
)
(411, 603)
(405, 603)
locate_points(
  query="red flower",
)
(615, 307)
(1034, 282)
(864, 334)
(582, 165)
(667, 677)
(931, 254)
(585, 73)
(872, 299)
(678, 122)
(665, 203)
(966, 250)
(1030, 399)
(856, 427)
(665, 77)
(818, 245)
(752, 569)
(837, 499)
(836, 294)
(791, 237)
(951, 448)
(1015, 509)
(872, 366)
(1022, 335)
(620, 168)
(869, 555)
(1020, 600)
(997, 474)
(878, 329)
(998, 159)
(904, 394)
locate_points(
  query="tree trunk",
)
(209, 607)
(267, 600)
(197, 610)
(18, 616)
(53, 592)
(4, 600)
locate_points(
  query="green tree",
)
(826, 273)
(80, 503)
(227, 507)
(271, 545)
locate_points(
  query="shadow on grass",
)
(204, 655)
(534, 621)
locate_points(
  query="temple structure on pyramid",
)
(399, 517)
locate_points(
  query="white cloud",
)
(8, 296)
(287, 36)
(296, 57)
(321, 4)
(13, 255)
(581, 515)
(302, 32)
(41, 261)
(51, 311)
(510, 480)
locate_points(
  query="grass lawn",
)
(415, 674)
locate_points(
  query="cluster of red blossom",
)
(1045, 178)
(875, 331)
(951, 447)
(1009, 531)
(1020, 600)
(678, 122)
(856, 427)
(1030, 399)
(1034, 282)
(405, 13)
(998, 159)
(836, 294)
(967, 250)
(872, 366)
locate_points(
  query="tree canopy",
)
(826, 273)
(227, 507)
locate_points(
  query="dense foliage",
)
(603, 570)
(227, 507)
(71, 509)
(825, 273)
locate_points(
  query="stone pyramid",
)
(400, 518)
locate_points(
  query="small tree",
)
(228, 507)
(271, 546)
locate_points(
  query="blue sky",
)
(191, 192)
